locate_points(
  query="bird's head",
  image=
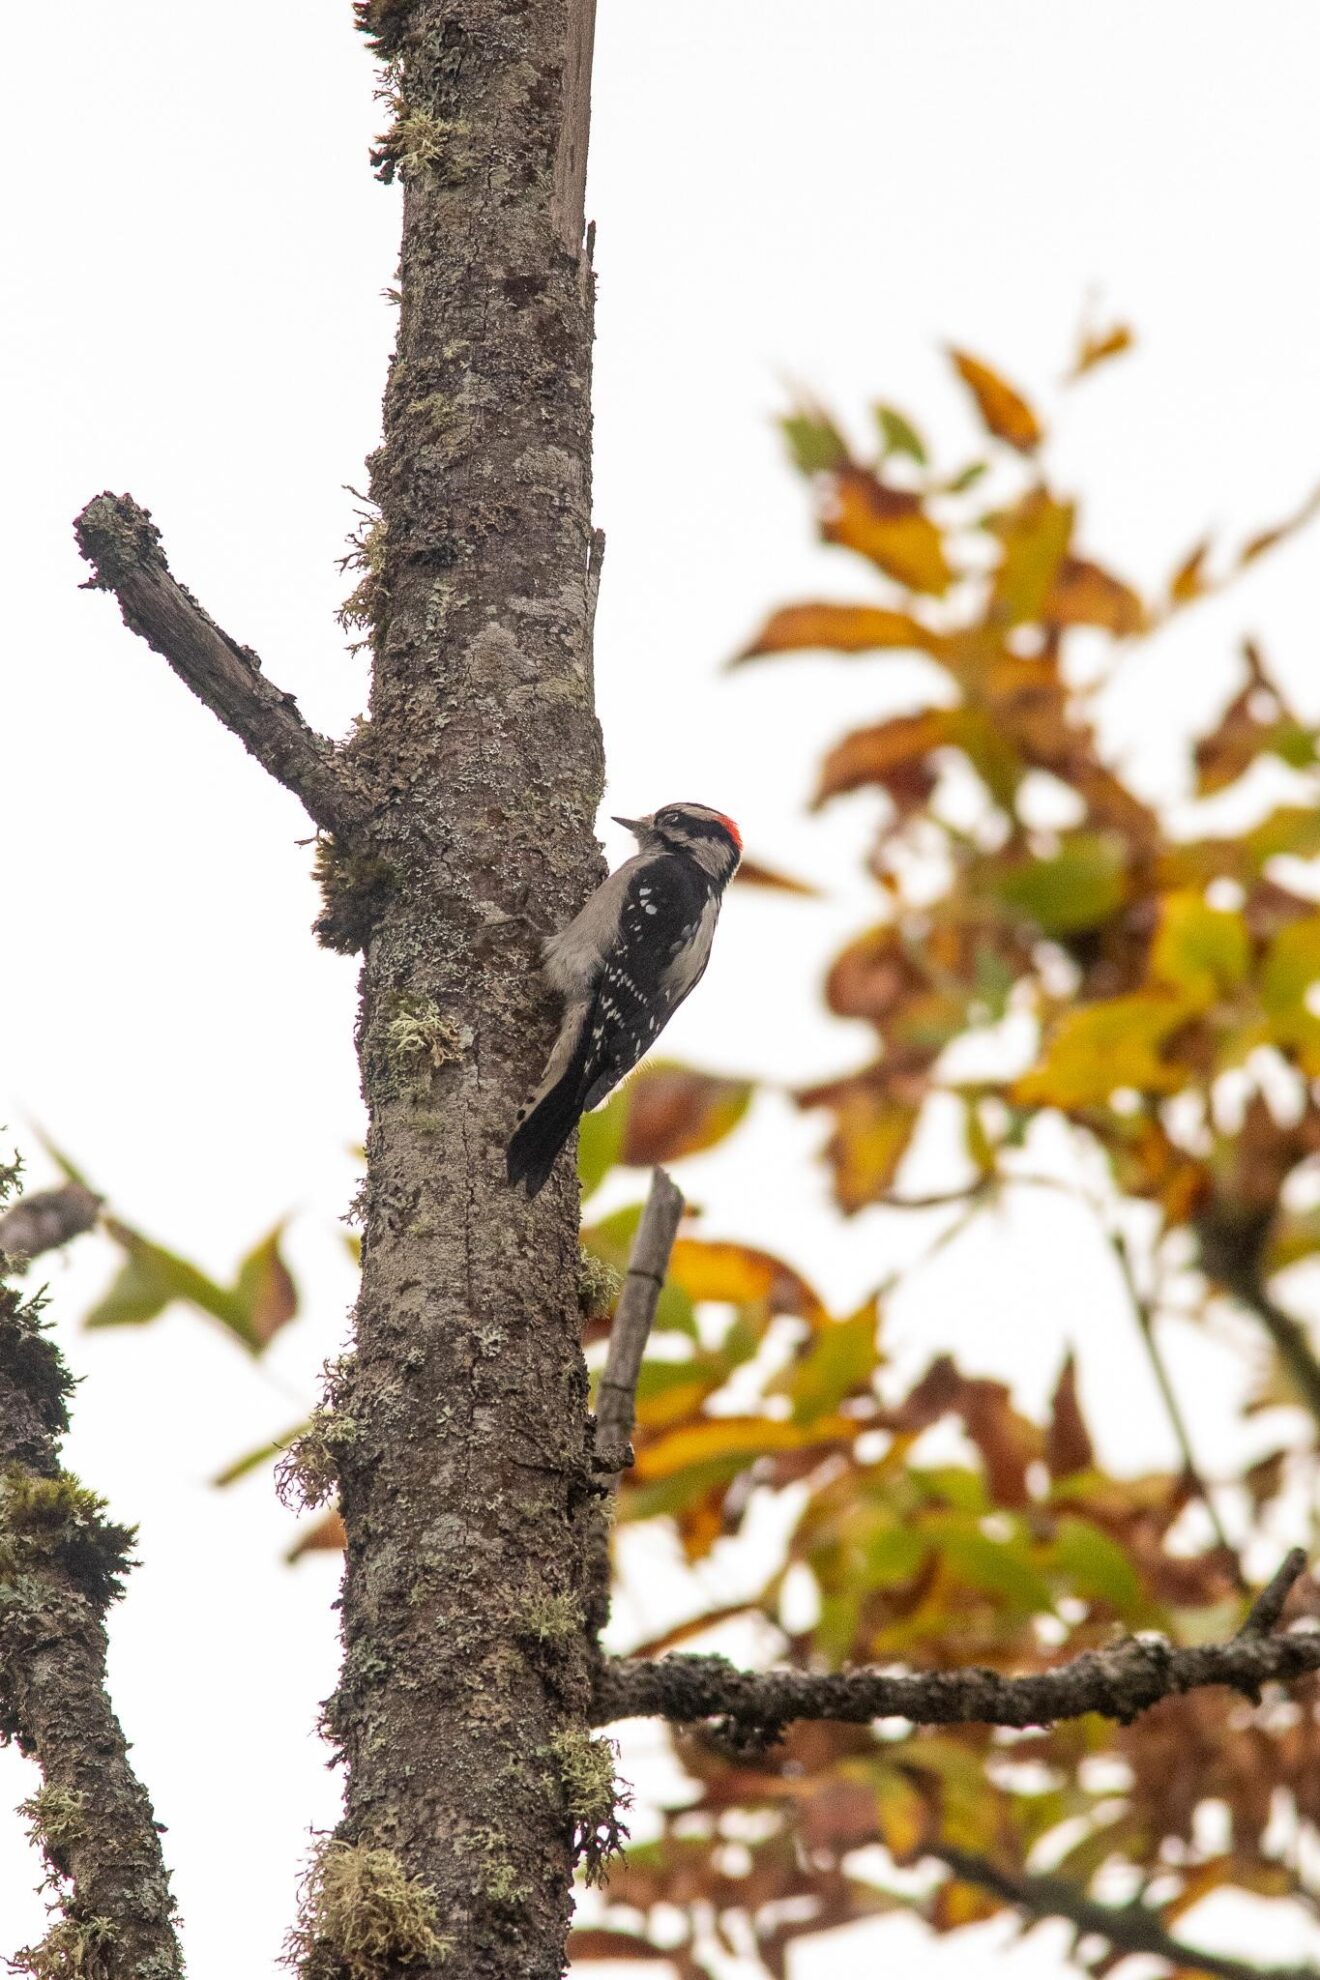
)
(708, 837)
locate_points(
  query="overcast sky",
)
(195, 252)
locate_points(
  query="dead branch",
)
(647, 1264)
(122, 544)
(47, 1218)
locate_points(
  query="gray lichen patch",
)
(594, 1799)
(58, 1818)
(75, 1949)
(360, 1912)
(419, 1039)
(599, 1285)
(546, 1618)
(308, 1473)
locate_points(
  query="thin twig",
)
(1130, 1928)
(648, 1263)
(122, 544)
(1263, 1615)
(1145, 1319)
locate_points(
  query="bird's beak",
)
(633, 824)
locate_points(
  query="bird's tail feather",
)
(537, 1140)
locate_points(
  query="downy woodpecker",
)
(623, 967)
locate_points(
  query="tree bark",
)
(467, 1491)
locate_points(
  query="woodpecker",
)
(623, 967)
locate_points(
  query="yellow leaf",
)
(1103, 1046)
(739, 1274)
(1035, 535)
(838, 629)
(903, 1815)
(888, 526)
(1202, 951)
(724, 1439)
(1004, 411)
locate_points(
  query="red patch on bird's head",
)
(730, 828)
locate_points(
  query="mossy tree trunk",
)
(466, 1486)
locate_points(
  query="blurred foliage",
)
(1152, 986)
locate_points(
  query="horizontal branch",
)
(1118, 1683)
(47, 1218)
(122, 544)
(1128, 1928)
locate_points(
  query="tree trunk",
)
(460, 1426)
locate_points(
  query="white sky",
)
(194, 255)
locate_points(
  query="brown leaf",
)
(603, 1942)
(1084, 594)
(1189, 580)
(1004, 410)
(1068, 1446)
(873, 976)
(838, 629)
(324, 1535)
(1009, 1444)
(674, 1111)
(892, 754)
(751, 873)
(888, 526)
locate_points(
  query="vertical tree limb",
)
(60, 1567)
(466, 1486)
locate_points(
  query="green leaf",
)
(264, 1454)
(899, 435)
(999, 1567)
(1078, 887)
(840, 1360)
(1201, 950)
(1095, 1566)
(600, 1137)
(152, 1278)
(814, 442)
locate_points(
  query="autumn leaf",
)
(1203, 952)
(1004, 411)
(1114, 1043)
(740, 1274)
(1189, 581)
(872, 1132)
(1096, 347)
(889, 527)
(1035, 535)
(325, 1535)
(892, 754)
(262, 1300)
(838, 629)
(1068, 1446)
(753, 873)
(673, 1111)
(1084, 594)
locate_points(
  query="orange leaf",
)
(838, 629)
(1189, 580)
(1095, 347)
(888, 526)
(1004, 411)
